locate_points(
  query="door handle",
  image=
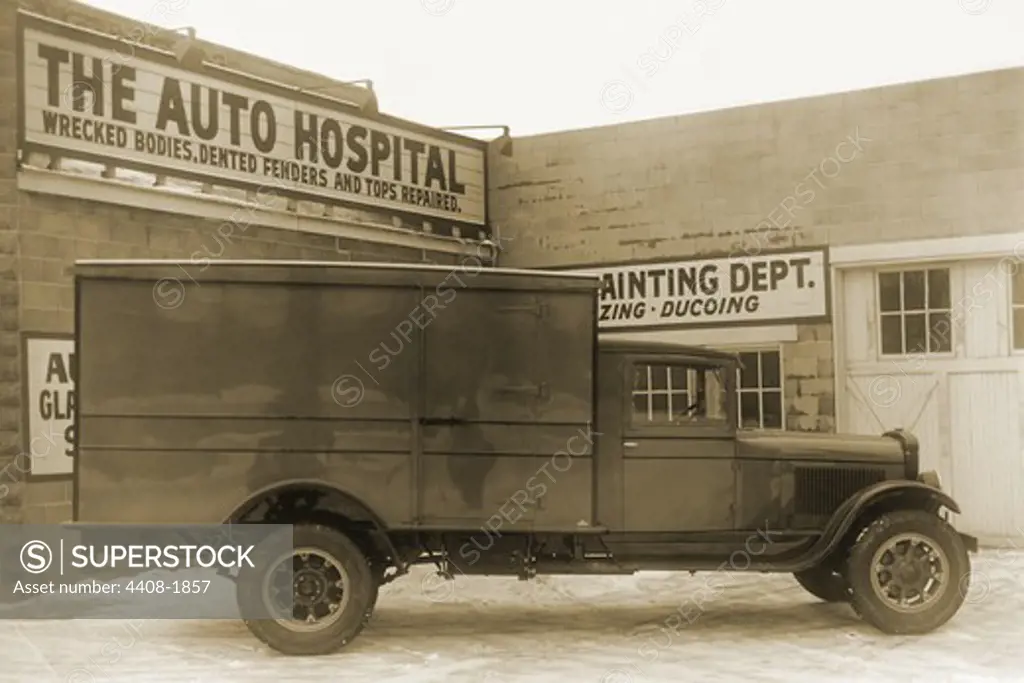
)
(629, 444)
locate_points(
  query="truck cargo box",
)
(226, 378)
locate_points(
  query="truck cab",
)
(668, 447)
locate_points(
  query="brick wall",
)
(10, 389)
(933, 159)
(41, 236)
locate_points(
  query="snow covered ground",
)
(560, 629)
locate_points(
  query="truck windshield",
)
(678, 393)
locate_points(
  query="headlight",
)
(931, 478)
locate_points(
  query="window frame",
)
(777, 349)
(1013, 308)
(725, 429)
(901, 270)
(669, 392)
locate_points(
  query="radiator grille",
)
(820, 490)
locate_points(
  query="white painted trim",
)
(944, 249)
(719, 336)
(839, 373)
(926, 366)
(217, 208)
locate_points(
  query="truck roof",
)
(372, 273)
(333, 272)
(613, 345)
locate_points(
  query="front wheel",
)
(907, 572)
(325, 583)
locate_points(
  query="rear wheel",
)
(326, 582)
(824, 584)
(908, 572)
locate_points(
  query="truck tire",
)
(340, 598)
(908, 572)
(824, 584)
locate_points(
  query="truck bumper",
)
(970, 542)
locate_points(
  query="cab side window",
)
(678, 394)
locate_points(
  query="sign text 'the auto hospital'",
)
(77, 98)
(781, 286)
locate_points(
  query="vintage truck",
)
(471, 418)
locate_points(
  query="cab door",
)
(678, 445)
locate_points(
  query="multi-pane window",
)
(915, 311)
(678, 394)
(759, 387)
(1017, 304)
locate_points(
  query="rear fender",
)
(331, 506)
(330, 498)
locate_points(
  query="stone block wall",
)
(808, 372)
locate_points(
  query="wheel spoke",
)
(315, 589)
(908, 572)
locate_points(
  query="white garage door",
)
(877, 403)
(988, 472)
(912, 358)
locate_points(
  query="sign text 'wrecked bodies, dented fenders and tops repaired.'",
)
(170, 119)
(769, 287)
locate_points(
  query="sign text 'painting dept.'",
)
(79, 100)
(781, 286)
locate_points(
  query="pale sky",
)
(546, 65)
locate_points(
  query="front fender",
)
(886, 495)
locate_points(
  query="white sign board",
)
(121, 102)
(50, 404)
(724, 291)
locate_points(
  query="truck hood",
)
(882, 450)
